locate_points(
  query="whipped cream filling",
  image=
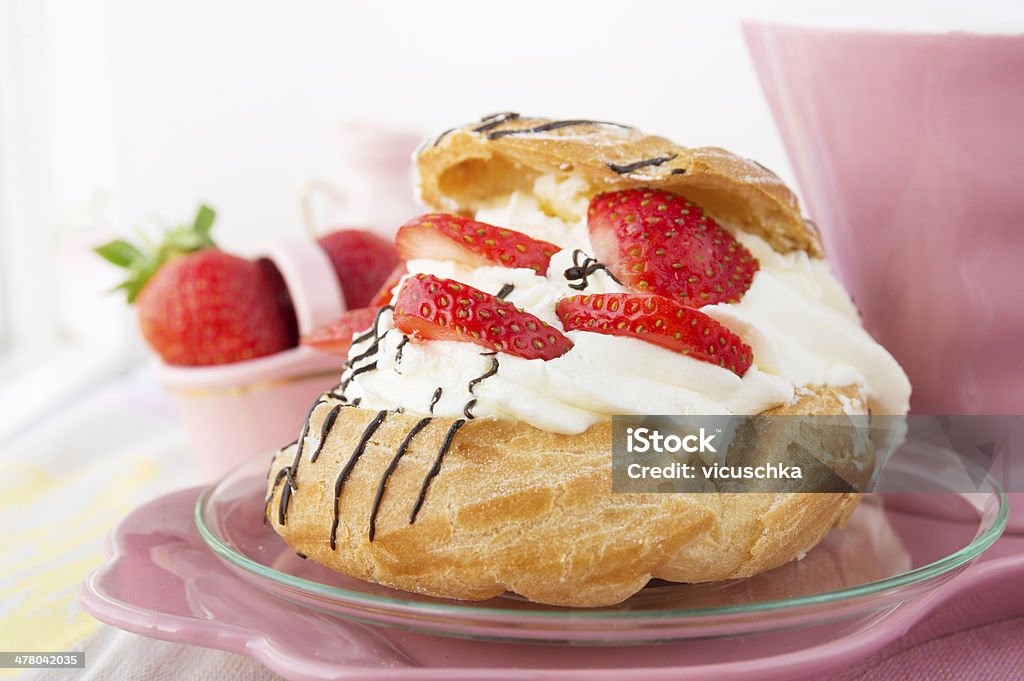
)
(797, 318)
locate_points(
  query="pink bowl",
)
(236, 411)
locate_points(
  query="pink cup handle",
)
(309, 275)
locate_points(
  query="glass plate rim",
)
(919, 574)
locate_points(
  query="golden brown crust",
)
(465, 167)
(518, 509)
(755, 532)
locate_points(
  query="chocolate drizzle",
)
(677, 171)
(371, 428)
(494, 120)
(490, 372)
(277, 480)
(580, 271)
(505, 291)
(468, 409)
(304, 434)
(355, 372)
(435, 398)
(398, 351)
(277, 453)
(637, 165)
(288, 472)
(370, 352)
(281, 474)
(373, 330)
(372, 333)
(553, 125)
(489, 123)
(325, 430)
(382, 486)
(449, 438)
(437, 140)
(763, 167)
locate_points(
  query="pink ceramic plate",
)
(163, 581)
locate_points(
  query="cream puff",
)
(574, 270)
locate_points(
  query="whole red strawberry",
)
(211, 307)
(198, 305)
(657, 242)
(430, 308)
(451, 237)
(657, 320)
(362, 262)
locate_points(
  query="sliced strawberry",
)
(383, 296)
(336, 338)
(657, 242)
(657, 320)
(449, 237)
(431, 308)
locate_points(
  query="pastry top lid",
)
(463, 168)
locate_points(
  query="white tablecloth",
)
(70, 476)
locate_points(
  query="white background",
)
(115, 114)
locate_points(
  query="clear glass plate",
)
(896, 548)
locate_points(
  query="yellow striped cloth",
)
(68, 479)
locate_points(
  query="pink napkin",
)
(940, 648)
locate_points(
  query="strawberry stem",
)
(142, 262)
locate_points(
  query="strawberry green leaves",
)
(142, 263)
